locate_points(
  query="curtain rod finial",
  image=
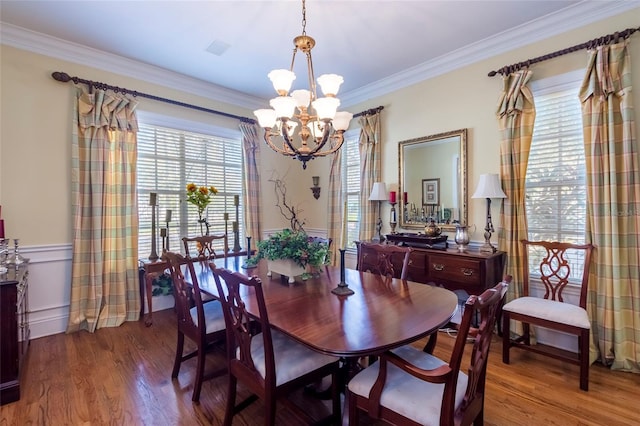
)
(61, 76)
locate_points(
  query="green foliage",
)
(162, 286)
(288, 244)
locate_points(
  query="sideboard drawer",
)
(448, 269)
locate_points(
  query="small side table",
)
(148, 272)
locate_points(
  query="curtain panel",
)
(104, 276)
(613, 207)
(252, 206)
(370, 170)
(516, 115)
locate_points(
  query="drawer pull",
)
(438, 266)
(466, 271)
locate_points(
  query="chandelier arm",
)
(267, 139)
(323, 141)
(340, 138)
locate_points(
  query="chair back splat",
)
(204, 246)
(409, 386)
(559, 264)
(269, 363)
(384, 259)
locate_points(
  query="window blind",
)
(351, 186)
(168, 159)
(555, 180)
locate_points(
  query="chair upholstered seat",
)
(400, 389)
(550, 310)
(292, 359)
(213, 316)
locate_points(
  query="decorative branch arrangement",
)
(289, 212)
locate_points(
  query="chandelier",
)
(320, 126)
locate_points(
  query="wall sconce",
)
(316, 189)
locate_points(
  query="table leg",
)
(149, 277)
(141, 274)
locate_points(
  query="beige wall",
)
(467, 98)
(35, 122)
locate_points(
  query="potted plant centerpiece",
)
(292, 253)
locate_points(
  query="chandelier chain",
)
(304, 17)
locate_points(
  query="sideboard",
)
(14, 330)
(470, 271)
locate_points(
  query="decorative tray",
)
(418, 240)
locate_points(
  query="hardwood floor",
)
(122, 375)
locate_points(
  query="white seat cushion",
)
(213, 316)
(413, 398)
(551, 310)
(291, 358)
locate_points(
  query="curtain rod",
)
(508, 69)
(65, 78)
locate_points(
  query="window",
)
(555, 182)
(351, 185)
(168, 159)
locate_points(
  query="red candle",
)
(1, 228)
(405, 198)
(392, 196)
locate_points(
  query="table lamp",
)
(489, 187)
(379, 194)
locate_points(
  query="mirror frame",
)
(462, 177)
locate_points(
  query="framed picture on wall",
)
(431, 192)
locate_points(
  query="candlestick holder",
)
(153, 256)
(236, 231)
(393, 219)
(343, 288)
(247, 264)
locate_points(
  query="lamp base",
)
(488, 248)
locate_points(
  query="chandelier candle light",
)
(321, 122)
(489, 187)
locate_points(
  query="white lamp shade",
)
(330, 84)
(284, 106)
(282, 80)
(326, 108)
(266, 117)
(341, 120)
(489, 187)
(316, 128)
(378, 192)
(291, 127)
(302, 98)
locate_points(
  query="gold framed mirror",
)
(433, 180)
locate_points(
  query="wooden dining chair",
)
(409, 386)
(384, 259)
(549, 310)
(204, 246)
(203, 323)
(269, 363)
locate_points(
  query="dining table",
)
(382, 313)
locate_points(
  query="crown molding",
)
(43, 44)
(568, 19)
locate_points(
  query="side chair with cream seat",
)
(556, 269)
(268, 363)
(410, 387)
(203, 323)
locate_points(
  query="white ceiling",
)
(376, 45)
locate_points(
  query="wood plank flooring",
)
(122, 376)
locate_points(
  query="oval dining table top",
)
(383, 313)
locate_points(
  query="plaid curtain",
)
(613, 207)
(251, 151)
(335, 210)
(104, 276)
(516, 115)
(370, 170)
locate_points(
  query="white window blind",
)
(168, 159)
(555, 181)
(351, 186)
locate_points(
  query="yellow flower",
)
(200, 196)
